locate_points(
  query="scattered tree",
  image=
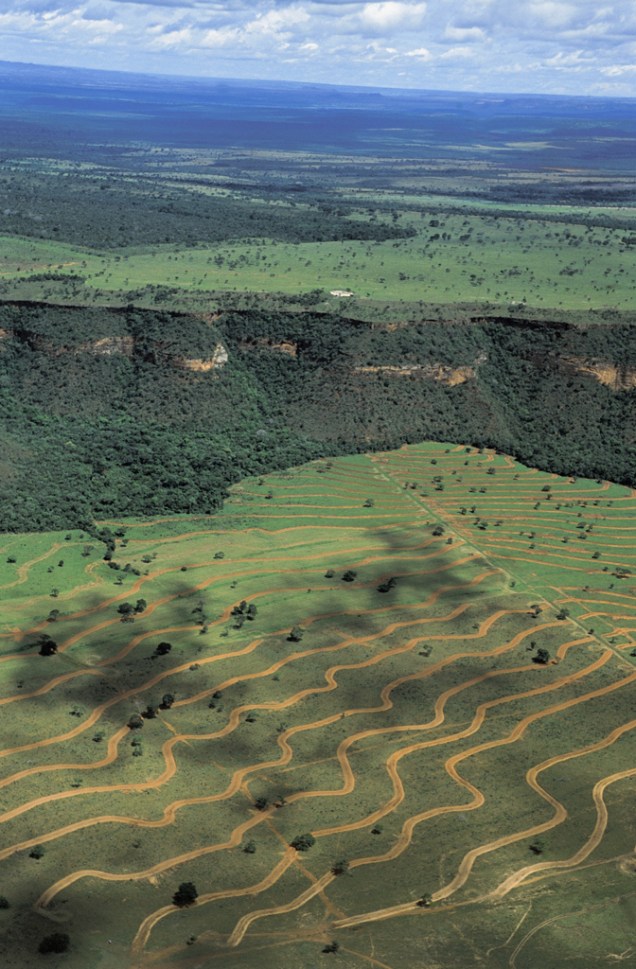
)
(47, 645)
(303, 842)
(185, 895)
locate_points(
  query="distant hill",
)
(44, 110)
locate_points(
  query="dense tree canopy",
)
(89, 434)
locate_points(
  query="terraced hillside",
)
(379, 711)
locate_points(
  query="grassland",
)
(411, 730)
(475, 257)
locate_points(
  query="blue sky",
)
(545, 46)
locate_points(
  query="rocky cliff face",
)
(147, 411)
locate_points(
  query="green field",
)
(461, 736)
(487, 259)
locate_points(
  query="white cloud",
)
(421, 53)
(579, 45)
(616, 70)
(463, 34)
(278, 21)
(574, 58)
(390, 15)
(553, 14)
(457, 53)
(223, 37)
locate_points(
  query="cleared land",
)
(407, 725)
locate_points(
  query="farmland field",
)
(420, 658)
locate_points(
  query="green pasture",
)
(477, 258)
(426, 689)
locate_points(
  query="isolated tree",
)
(166, 701)
(4, 902)
(425, 900)
(58, 942)
(48, 646)
(340, 867)
(349, 576)
(303, 842)
(542, 657)
(135, 722)
(162, 649)
(185, 895)
(296, 634)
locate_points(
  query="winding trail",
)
(410, 623)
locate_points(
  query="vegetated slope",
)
(135, 412)
(345, 661)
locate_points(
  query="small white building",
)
(341, 292)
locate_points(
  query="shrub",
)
(58, 942)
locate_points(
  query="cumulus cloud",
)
(575, 45)
(389, 15)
